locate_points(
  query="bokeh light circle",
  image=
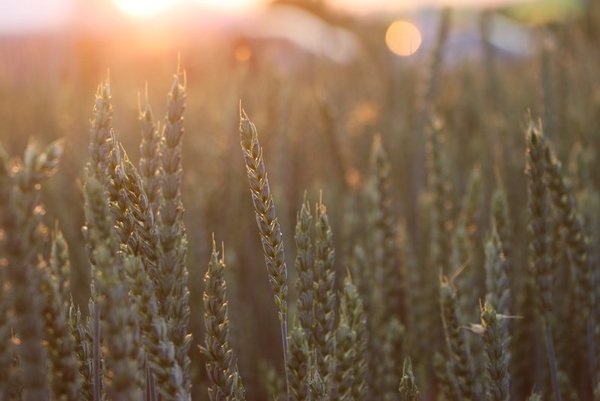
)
(403, 38)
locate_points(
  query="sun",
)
(143, 8)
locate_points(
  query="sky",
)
(39, 15)
(27, 15)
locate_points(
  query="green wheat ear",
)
(408, 384)
(266, 219)
(172, 284)
(498, 290)
(221, 365)
(304, 264)
(576, 242)
(458, 356)
(61, 345)
(384, 234)
(120, 334)
(83, 351)
(25, 236)
(324, 302)
(150, 165)
(350, 373)
(100, 130)
(447, 382)
(495, 339)
(539, 225)
(298, 365)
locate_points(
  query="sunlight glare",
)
(403, 38)
(143, 8)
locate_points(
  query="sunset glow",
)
(143, 8)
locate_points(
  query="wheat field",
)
(196, 228)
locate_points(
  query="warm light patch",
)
(353, 178)
(403, 38)
(242, 53)
(143, 8)
(361, 118)
(227, 5)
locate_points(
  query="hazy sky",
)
(24, 15)
(27, 15)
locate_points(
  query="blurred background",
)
(320, 78)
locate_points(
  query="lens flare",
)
(403, 38)
(143, 8)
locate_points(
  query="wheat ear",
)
(268, 225)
